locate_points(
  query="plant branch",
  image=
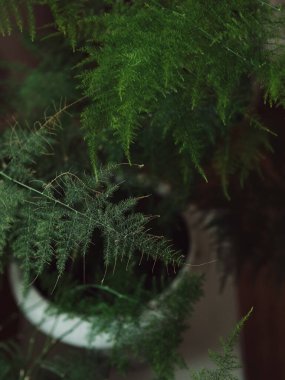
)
(39, 193)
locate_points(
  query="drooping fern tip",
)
(180, 70)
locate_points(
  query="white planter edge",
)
(74, 330)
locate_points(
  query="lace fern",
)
(200, 55)
(177, 68)
(160, 330)
(226, 361)
(55, 219)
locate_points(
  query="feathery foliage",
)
(70, 17)
(86, 365)
(170, 71)
(53, 221)
(226, 361)
(241, 152)
(15, 365)
(182, 69)
(19, 13)
(58, 218)
(160, 330)
(182, 64)
(139, 320)
(19, 364)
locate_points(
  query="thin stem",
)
(66, 107)
(69, 174)
(109, 290)
(39, 193)
(51, 343)
(51, 120)
(277, 8)
(6, 176)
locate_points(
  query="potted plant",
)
(69, 234)
(178, 75)
(132, 305)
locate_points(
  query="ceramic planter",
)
(75, 331)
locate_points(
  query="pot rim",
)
(75, 330)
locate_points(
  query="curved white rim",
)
(61, 326)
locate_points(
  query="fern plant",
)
(166, 83)
(79, 206)
(181, 70)
(168, 66)
(15, 365)
(47, 223)
(226, 361)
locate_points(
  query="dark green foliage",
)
(36, 363)
(57, 219)
(160, 329)
(15, 364)
(241, 152)
(226, 361)
(17, 12)
(52, 221)
(153, 332)
(142, 324)
(17, 151)
(8, 209)
(182, 69)
(142, 68)
(171, 118)
(174, 78)
(183, 65)
(11, 361)
(71, 18)
(84, 365)
(52, 79)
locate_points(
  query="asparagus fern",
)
(184, 69)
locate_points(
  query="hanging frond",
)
(53, 220)
(150, 60)
(160, 330)
(17, 13)
(226, 361)
(242, 153)
(200, 56)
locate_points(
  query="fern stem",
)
(109, 290)
(52, 120)
(39, 193)
(270, 5)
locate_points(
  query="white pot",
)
(76, 330)
(42, 314)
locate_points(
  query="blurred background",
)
(256, 214)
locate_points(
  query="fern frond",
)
(160, 332)
(9, 203)
(57, 220)
(142, 56)
(18, 14)
(129, 96)
(150, 54)
(241, 154)
(226, 361)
